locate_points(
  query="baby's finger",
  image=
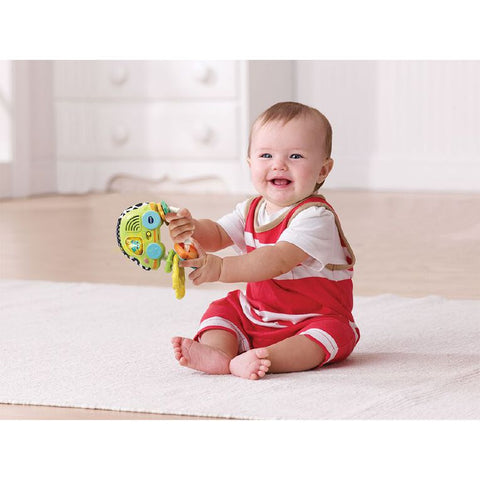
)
(178, 213)
(184, 212)
(182, 233)
(193, 275)
(196, 276)
(180, 222)
(199, 248)
(193, 263)
(171, 216)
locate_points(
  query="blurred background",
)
(73, 127)
(82, 140)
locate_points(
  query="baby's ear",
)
(326, 169)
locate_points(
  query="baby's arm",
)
(209, 234)
(260, 264)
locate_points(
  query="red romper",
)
(317, 304)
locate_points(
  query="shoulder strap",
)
(319, 201)
(250, 201)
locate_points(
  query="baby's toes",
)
(265, 363)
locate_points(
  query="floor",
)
(411, 244)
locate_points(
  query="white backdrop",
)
(401, 125)
(5, 109)
(398, 125)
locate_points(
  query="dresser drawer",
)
(153, 129)
(145, 79)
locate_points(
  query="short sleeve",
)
(234, 225)
(314, 231)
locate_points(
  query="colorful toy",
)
(138, 236)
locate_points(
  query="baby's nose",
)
(279, 163)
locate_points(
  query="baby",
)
(296, 313)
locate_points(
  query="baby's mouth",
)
(280, 182)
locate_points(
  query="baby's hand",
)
(181, 226)
(208, 268)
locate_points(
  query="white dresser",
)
(170, 120)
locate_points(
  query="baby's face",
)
(287, 161)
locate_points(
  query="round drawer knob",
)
(120, 134)
(202, 133)
(119, 75)
(202, 72)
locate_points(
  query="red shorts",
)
(335, 334)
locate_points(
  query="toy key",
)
(138, 236)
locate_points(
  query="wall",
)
(42, 128)
(5, 108)
(399, 125)
(5, 127)
(26, 129)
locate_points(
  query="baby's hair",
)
(286, 111)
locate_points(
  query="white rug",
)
(108, 347)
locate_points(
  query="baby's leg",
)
(293, 354)
(212, 355)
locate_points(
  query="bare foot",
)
(200, 357)
(253, 364)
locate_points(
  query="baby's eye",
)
(265, 155)
(296, 156)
